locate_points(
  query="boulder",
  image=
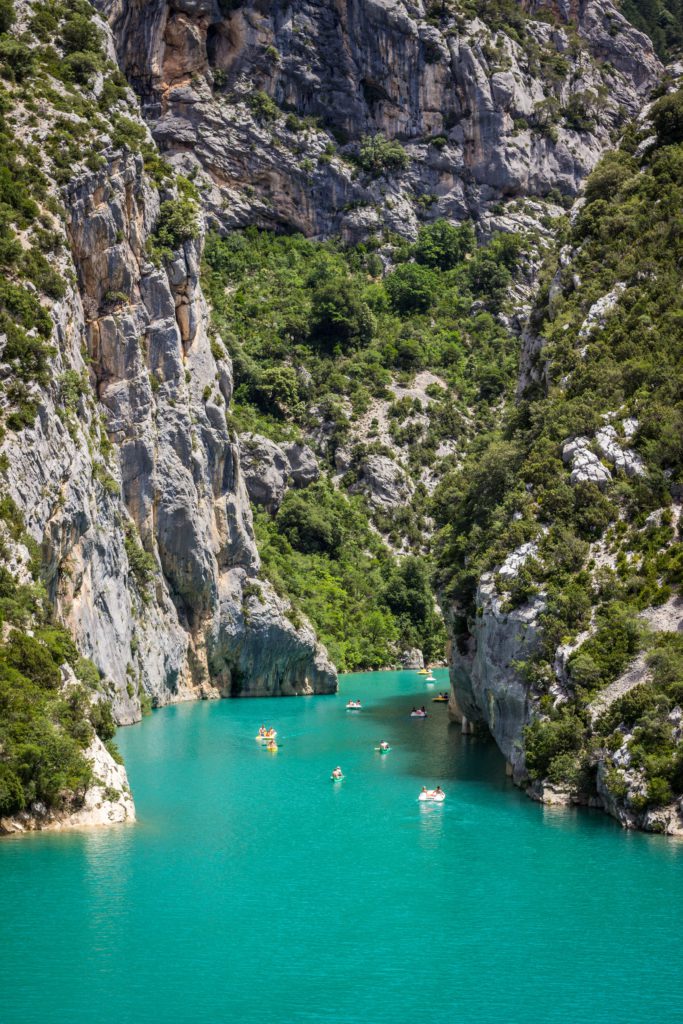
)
(303, 465)
(265, 468)
(383, 481)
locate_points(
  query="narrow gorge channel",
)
(252, 885)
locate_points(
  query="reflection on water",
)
(431, 823)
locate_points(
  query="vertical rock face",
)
(509, 118)
(140, 505)
(487, 686)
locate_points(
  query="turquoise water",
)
(254, 888)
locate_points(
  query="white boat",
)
(354, 705)
(418, 714)
(430, 678)
(431, 796)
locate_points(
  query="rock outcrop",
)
(135, 491)
(487, 684)
(107, 801)
(269, 468)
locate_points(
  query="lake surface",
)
(254, 888)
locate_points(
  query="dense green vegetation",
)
(318, 333)
(44, 727)
(514, 486)
(661, 20)
(320, 552)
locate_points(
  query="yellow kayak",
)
(423, 672)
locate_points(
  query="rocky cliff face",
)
(487, 684)
(485, 112)
(136, 493)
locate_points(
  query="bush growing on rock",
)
(379, 154)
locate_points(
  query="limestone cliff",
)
(272, 101)
(135, 491)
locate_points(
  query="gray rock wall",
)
(366, 66)
(486, 685)
(146, 472)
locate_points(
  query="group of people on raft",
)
(267, 736)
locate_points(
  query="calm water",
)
(255, 889)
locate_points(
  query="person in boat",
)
(384, 745)
(262, 731)
(423, 710)
(337, 773)
(438, 791)
(414, 711)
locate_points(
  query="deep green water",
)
(254, 889)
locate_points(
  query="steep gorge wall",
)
(135, 492)
(496, 107)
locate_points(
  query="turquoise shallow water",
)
(253, 888)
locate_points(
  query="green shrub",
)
(443, 245)
(545, 740)
(7, 15)
(379, 155)
(263, 107)
(178, 223)
(411, 287)
(142, 564)
(667, 117)
(339, 316)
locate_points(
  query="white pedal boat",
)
(431, 796)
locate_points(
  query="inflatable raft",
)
(431, 796)
(418, 714)
(354, 705)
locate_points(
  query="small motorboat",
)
(441, 699)
(354, 705)
(418, 714)
(432, 796)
